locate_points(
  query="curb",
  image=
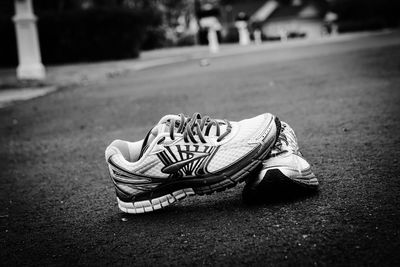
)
(9, 96)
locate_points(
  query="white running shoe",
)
(285, 165)
(182, 156)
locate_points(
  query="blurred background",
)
(93, 30)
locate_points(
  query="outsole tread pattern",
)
(166, 200)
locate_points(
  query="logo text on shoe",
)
(178, 165)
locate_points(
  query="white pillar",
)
(257, 37)
(334, 29)
(213, 44)
(30, 63)
(283, 35)
(331, 19)
(244, 36)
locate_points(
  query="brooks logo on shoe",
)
(186, 160)
(176, 166)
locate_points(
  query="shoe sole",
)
(155, 203)
(309, 181)
(305, 178)
(229, 181)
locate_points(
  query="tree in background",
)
(163, 15)
(85, 30)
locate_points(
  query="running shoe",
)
(182, 156)
(285, 167)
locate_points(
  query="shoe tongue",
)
(151, 135)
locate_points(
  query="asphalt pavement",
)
(58, 205)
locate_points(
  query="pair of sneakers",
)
(182, 156)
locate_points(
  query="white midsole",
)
(155, 203)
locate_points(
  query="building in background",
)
(281, 19)
(297, 18)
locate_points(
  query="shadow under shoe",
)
(275, 187)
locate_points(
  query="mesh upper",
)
(238, 145)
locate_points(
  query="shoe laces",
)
(286, 142)
(197, 125)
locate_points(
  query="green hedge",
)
(8, 46)
(155, 38)
(83, 35)
(364, 25)
(90, 35)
